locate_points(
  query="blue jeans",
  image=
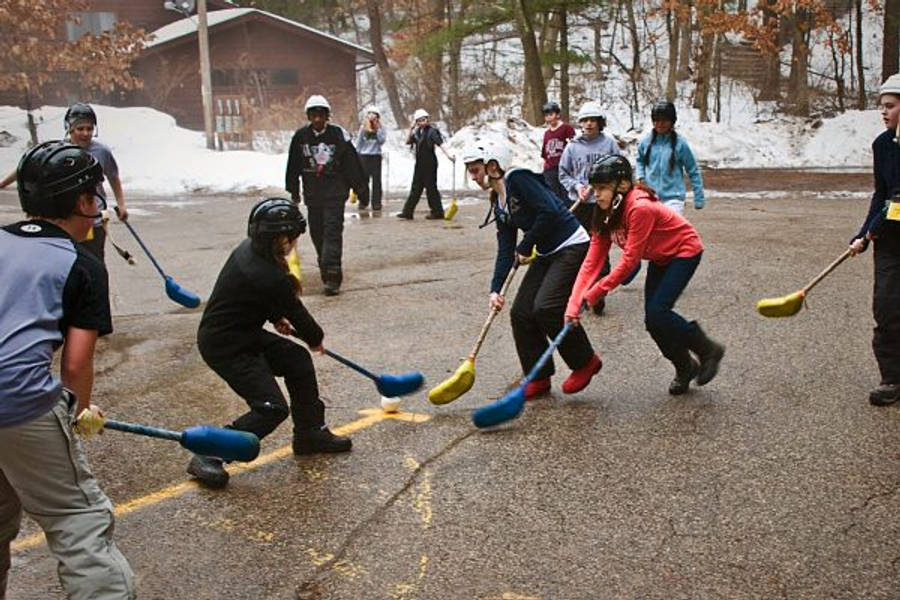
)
(662, 288)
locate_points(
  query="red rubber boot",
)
(537, 387)
(581, 377)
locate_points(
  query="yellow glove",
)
(529, 259)
(89, 422)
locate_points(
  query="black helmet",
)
(52, 175)
(611, 167)
(274, 216)
(79, 112)
(663, 110)
(551, 107)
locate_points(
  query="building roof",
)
(183, 28)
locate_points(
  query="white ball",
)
(390, 405)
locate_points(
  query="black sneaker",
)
(885, 394)
(313, 441)
(434, 216)
(332, 290)
(402, 215)
(208, 470)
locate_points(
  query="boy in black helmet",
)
(60, 299)
(255, 286)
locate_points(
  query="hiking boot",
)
(581, 377)
(313, 441)
(434, 216)
(683, 376)
(885, 394)
(208, 470)
(535, 388)
(708, 351)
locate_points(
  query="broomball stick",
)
(790, 305)
(389, 386)
(174, 291)
(227, 444)
(451, 210)
(464, 378)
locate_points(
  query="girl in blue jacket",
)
(521, 200)
(664, 156)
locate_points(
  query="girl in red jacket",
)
(632, 216)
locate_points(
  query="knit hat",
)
(891, 85)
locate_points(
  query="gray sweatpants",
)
(44, 471)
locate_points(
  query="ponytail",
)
(673, 141)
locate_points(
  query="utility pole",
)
(205, 76)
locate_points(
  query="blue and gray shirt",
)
(577, 158)
(369, 143)
(50, 284)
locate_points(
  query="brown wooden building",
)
(263, 66)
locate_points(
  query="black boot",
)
(208, 470)
(313, 441)
(885, 394)
(708, 351)
(684, 372)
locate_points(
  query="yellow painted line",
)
(371, 417)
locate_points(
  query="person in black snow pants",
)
(255, 286)
(521, 199)
(882, 227)
(423, 138)
(321, 153)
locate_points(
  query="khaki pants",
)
(44, 471)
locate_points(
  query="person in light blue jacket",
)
(664, 156)
(369, 140)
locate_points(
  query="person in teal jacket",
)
(664, 156)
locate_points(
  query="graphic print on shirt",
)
(319, 157)
(555, 147)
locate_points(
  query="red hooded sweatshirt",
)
(650, 230)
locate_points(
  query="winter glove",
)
(89, 422)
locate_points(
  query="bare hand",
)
(122, 213)
(320, 349)
(583, 192)
(496, 302)
(857, 246)
(283, 326)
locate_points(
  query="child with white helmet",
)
(882, 227)
(369, 140)
(521, 200)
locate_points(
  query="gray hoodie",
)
(577, 159)
(368, 143)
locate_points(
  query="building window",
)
(285, 77)
(93, 23)
(223, 77)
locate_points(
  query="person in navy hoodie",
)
(882, 227)
(521, 200)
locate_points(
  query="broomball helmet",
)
(51, 176)
(272, 217)
(663, 110)
(610, 168)
(551, 107)
(497, 151)
(317, 101)
(79, 111)
(472, 153)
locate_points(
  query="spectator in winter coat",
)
(882, 228)
(556, 136)
(520, 199)
(664, 156)
(369, 140)
(322, 155)
(632, 216)
(423, 138)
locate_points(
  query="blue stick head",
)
(181, 295)
(227, 444)
(392, 386)
(505, 409)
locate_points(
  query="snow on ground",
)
(157, 157)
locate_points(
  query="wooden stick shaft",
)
(827, 270)
(490, 319)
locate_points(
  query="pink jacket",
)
(650, 231)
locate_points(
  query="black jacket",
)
(249, 291)
(328, 164)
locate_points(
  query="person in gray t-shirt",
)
(369, 140)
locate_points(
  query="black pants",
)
(424, 178)
(539, 308)
(252, 377)
(551, 176)
(96, 245)
(326, 228)
(886, 309)
(371, 164)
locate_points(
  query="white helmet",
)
(317, 101)
(372, 109)
(420, 114)
(891, 85)
(472, 153)
(590, 109)
(499, 151)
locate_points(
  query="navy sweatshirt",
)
(887, 184)
(534, 209)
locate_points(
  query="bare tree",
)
(673, 28)
(533, 75)
(381, 60)
(890, 46)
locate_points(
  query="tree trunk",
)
(890, 47)
(635, 74)
(564, 59)
(673, 28)
(455, 52)
(704, 69)
(799, 81)
(771, 87)
(433, 61)
(549, 43)
(384, 68)
(537, 92)
(684, 61)
(32, 126)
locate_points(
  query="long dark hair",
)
(273, 252)
(673, 140)
(605, 222)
